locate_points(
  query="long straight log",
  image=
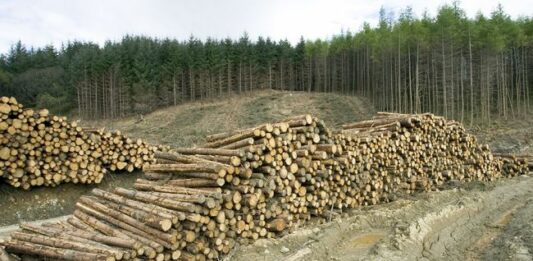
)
(22, 247)
(164, 202)
(214, 193)
(211, 181)
(150, 208)
(143, 217)
(185, 168)
(120, 224)
(234, 138)
(108, 240)
(210, 151)
(60, 243)
(239, 144)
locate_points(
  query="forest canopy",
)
(467, 68)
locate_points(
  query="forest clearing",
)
(409, 138)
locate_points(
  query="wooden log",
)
(61, 243)
(239, 144)
(22, 247)
(210, 151)
(165, 240)
(190, 182)
(155, 221)
(107, 240)
(149, 208)
(164, 202)
(115, 231)
(185, 168)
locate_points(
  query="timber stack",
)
(260, 182)
(39, 149)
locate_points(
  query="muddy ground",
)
(477, 221)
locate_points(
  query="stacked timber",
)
(39, 149)
(198, 203)
(120, 152)
(515, 164)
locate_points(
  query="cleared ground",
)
(478, 221)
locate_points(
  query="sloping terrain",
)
(188, 124)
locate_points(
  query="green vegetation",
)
(464, 68)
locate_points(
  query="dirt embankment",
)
(475, 222)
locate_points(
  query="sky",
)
(43, 22)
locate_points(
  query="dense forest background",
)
(470, 69)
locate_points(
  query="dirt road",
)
(474, 222)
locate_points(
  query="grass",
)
(188, 124)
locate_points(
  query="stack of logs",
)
(514, 165)
(198, 203)
(39, 149)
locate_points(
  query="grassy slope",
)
(188, 124)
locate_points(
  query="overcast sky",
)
(41, 22)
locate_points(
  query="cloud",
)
(38, 23)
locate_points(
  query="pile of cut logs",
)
(39, 149)
(515, 164)
(198, 203)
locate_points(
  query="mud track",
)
(475, 222)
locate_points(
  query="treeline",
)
(464, 68)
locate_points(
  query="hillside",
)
(188, 124)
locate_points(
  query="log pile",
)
(198, 203)
(39, 149)
(514, 165)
